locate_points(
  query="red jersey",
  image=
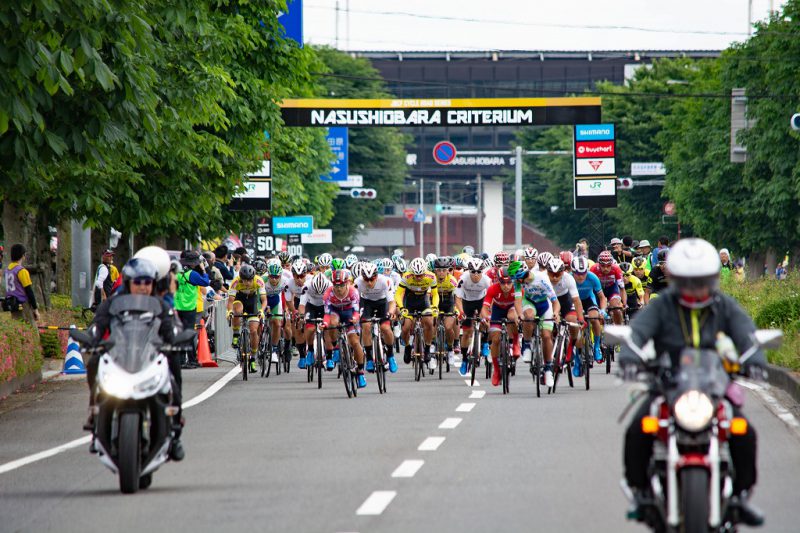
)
(495, 296)
(332, 303)
(614, 276)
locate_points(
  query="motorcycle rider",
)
(691, 313)
(139, 277)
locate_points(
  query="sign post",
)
(595, 184)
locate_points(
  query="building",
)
(490, 74)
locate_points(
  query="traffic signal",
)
(624, 183)
(364, 194)
(795, 122)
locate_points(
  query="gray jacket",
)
(670, 326)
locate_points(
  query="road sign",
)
(669, 208)
(292, 21)
(256, 197)
(409, 213)
(648, 169)
(419, 216)
(363, 194)
(444, 152)
(595, 167)
(338, 141)
(624, 183)
(595, 184)
(353, 180)
(287, 225)
(594, 132)
(318, 236)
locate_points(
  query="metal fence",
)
(220, 331)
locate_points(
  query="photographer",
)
(223, 261)
(187, 296)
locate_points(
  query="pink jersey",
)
(495, 296)
(332, 303)
(614, 276)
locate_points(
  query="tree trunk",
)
(64, 258)
(755, 265)
(771, 261)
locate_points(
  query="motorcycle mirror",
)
(617, 334)
(81, 336)
(107, 344)
(184, 336)
(769, 338)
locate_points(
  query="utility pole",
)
(421, 210)
(518, 199)
(337, 25)
(479, 218)
(438, 221)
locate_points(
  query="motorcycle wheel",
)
(129, 457)
(145, 481)
(694, 499)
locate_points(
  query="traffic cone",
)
(73, 362)
(203, 351)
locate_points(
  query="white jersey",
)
(566, 285)
(383, 289)
(309, 296)
(538, 289)
(287, 276)
(275, 290)
(294, 288)
(469, 290)
(395, 277)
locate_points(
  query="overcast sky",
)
(531, 24)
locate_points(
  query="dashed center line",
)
(376, 503)
(408, 468)
(431, 444)
(450, 423)
(465, 407)
(477, 394)
(470, 384)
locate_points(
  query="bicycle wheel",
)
(344, 365)
(380, 370)
(440, 348)
(556, 363)
(567, 367)
(588, 356)
(474, 354)
(505, 363)
(319, 356)
(609, 356)
(242, 360)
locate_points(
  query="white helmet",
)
(694, 264)
(158, 256)
(299, 268)
(368, 270)
(417, 266)
(475, 264)
(531, 253)
(320, 283)
(350, 260)
(555, 265)
(357, 269)
(580, 265)
(543, 259)
(325, 259)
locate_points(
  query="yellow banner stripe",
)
(425, 103)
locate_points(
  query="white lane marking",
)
(477, 394)
(205, 395)
(376, 503)
(773, 404)
(431, 444)
(408, 468)
(450, 423)
(465, 407)
(469, 383)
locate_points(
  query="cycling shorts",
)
(249, 305)
(346, 317)
(567, 305)
(470, 309)
(498, 313)
(588, 304)
(611, 292)
(543, 310)
(314, 311)
(374, 308)
(447, 305)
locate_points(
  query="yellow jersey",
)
(424, 290)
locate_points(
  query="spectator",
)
(104, 278)
(223, 261)
(20, 299)
(645, 249)
(738, 270)
(187, 296)
(618, 251)
(214, 274)
(780, 271)
(663, 244)
(726, 270)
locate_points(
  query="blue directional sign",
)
(338, 141)
(292, 20)
(294, 225)
(594, 132)
(419, 216)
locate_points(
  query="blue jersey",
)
(590, 286)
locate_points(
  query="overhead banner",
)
(441, 112)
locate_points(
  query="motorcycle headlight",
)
(693, 410)
(114, 385)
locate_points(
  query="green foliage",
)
(779, 314)
(378, 154)
(20, 351)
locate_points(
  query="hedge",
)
(20, 350)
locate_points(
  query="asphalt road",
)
(277, 454)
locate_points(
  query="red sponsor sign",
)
(409, 214)
(585, 149)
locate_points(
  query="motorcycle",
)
(133, 412)
(691, 418)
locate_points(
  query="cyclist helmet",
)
(693, 266)
(320, 283)
(139, 268)
(442, 262)
(260, 266)
(626, 268)
(459, 262)
(358, 268)
(417, 266)
(605, 258)
(662, 254)
(400, 265)
(325, 260)
(274, 269)
(501, 258)
(487, 264)
(530, 253)
(475, 265)
(555, 265)
(299, 268)
(580, 265)
(337, 264)
(284, 257)
(340, 277)
(517, 270)
(468, 250)
(543, 259)
(386, 264)
(247, 272)
(639, 262)
(350, 260)
(368, 271)
(503, 274)
(158, 256)
(566, 257)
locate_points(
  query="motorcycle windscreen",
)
(134, 331)
(701, 370)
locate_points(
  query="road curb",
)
(785, 380)
(10, 387)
